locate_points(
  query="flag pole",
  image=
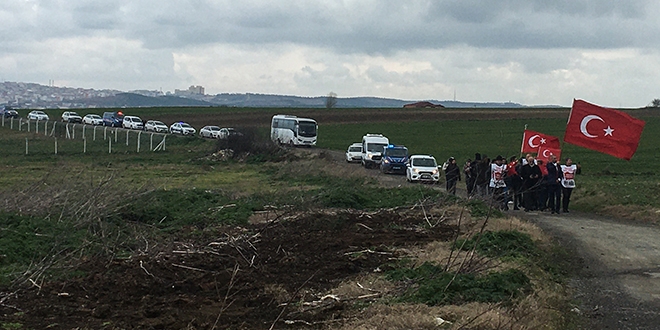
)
(522, 145)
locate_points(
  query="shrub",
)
(252, 147)
(433, 286)
(501, 244)
(479, 208)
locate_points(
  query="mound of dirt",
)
(238, 278)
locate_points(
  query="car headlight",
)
(386, 161)
(435, 171)
(415, 170)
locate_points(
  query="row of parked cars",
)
(118, 119)
(376, 151)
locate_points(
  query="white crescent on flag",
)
(531, 141)
(585, 121)
(546, 152)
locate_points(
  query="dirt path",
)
(617, 264)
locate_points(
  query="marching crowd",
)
(530, 183)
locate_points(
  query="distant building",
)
(192, 90)
(423, 104)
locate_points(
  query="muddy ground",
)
(238, 278)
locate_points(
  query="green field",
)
(605, 180)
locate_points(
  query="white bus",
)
(293, 131)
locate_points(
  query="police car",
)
(422, 168)
(394, 159)
(182, 128)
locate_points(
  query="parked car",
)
(394, 159)
(227, 132)
(156, 126)
(113, 119)
(354, 153)
(209, 132)
(8, 112)
(37, 115)
(182, 128)
(92, 119)
(422, 168)
(71, 117)
(132, 122)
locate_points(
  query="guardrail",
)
(82, 138)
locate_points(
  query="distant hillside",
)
(31, 95)
(271, 101)
(136, 100)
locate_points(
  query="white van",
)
(132, 122)
(372, 149)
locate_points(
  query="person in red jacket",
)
(514, 182)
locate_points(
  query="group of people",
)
(531, 184)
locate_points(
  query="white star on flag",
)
(608, 131)
(542, 141)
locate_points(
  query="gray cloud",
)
(510, 47)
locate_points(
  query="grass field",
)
(125, 207)
(605, 180)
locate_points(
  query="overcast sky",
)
(526, 51)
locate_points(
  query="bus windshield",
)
(307, 129)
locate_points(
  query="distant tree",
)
(331, 100)
(655, 103)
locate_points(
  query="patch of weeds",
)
(479, 208)
(175, 208)
(348, 195)
(501, 244)
(433, 286)
(30, 239)
(11, 326)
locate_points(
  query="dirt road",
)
(617, 278)
(617, 263)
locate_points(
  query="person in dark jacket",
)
(452, 175)
(552, 183)
(542, 189)
(531, 174)
(483, 176)
(471, 180)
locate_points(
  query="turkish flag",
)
(545, 153)
(533, 140)
(605, 130)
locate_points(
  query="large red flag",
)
(533, 140)
(602, 129)
(545, 153)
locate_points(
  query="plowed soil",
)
(234, 278)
